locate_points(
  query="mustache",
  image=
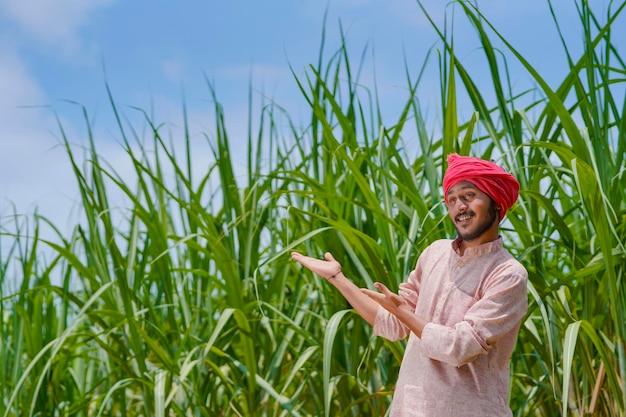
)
(465, 213)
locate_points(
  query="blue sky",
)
(55, 52)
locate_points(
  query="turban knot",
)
(488, 177)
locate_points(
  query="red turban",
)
(492, 180)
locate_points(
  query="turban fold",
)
(488, 177)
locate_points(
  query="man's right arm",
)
(363, 304)
(330, 269)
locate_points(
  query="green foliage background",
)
(183, 300)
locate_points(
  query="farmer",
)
(461, 306)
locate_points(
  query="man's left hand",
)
(390, 301)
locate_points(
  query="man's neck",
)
(481, 240)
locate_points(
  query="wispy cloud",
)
(33, 167)
(30, 168)
(52, 23)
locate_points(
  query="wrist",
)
(335, 275)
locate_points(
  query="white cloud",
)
(51, 22)
(45, 19)
(30, 166)
(33, 166)
(16, 84)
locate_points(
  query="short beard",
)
(492, 216)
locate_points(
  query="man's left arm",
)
(497, 313)
(397, 306)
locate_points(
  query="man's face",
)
(474, 214)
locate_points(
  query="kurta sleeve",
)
(388, 325)
(496, 314)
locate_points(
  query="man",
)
(461, 306)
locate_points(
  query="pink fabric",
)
(474, 305)
(492, 180)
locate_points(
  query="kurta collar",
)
(483, 249)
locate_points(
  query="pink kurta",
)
(474, 305)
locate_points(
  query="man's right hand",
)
(327, 268)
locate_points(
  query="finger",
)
(386, 293)
(376, 296)
(305, 261)
(298, 257)
(329, 256)
(382, 288)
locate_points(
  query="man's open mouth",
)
(464, 217)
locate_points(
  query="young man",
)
(461, 306)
